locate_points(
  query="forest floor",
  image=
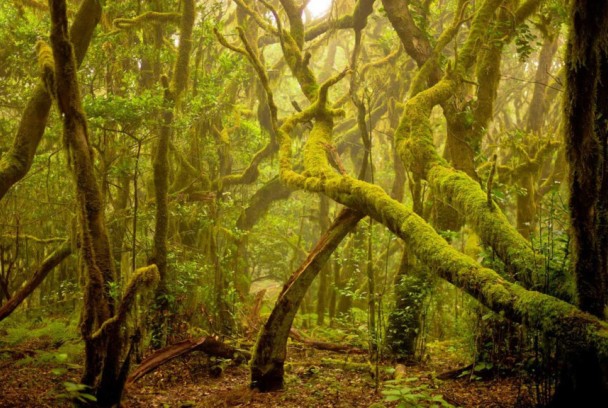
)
(30, 377)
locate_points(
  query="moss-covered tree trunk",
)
(173, 92)
(584, 379)
(587, 149)
(15, 163)
(102, 317)
(271, 347)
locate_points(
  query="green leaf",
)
(392, 392)
(61, 357)
(58, 371)
(89, 397)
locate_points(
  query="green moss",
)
(153, 17)
(46, 64)
(414, 135)
(180, 76)
(315, 150)
(490, 223)
(477, 32)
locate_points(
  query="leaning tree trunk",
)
(38, 276)
(271, 347)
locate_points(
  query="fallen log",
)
(208, 345)
(456, 373)
(321, 345)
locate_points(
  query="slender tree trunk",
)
(538, 103)
(38, 276)
(324, 222)
(101, 320)
(173, 92)
(271, 347)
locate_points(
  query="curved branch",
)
(54, 259)
(150, 17)
(15, 164)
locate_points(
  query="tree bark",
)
(15, 164)
(271, 347)
(173, 92)
(38, 276)
(101, 320)
(587, 149)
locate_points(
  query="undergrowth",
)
(41, 341)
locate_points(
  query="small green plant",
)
(412, 395)
(77, 393)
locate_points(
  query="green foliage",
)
(49, 343)
(405, 320)
(553, 242)
(77, 393)
(411, 396)
(129, 110)
(387, 41)
(52, 331)
(525, 41)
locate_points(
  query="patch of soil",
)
(314, 378)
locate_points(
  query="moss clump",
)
(150, 17)
(46, 64)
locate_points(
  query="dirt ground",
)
(313, 379)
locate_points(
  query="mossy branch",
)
(259, 20)
(259, 68)
(33, 238)
(34, 5)
(145, 278)
(324, 88)
(388, 59)
(46, 65)
(431, 65)
(525, 10)
(150, 17)
(250, 174)
(180, 75)
(479, 25)
(38, 276)
(362, 9)
(193, 171)
(534, 163)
